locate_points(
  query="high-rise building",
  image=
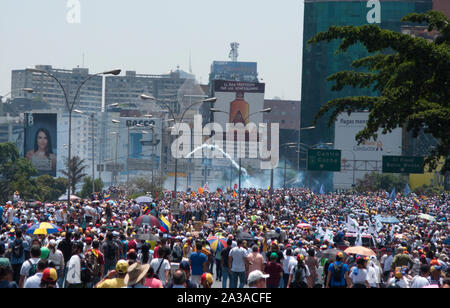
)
(320, 61)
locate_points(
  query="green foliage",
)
(48, 188)
(377, 181)
(77, 168)
(411, 74)
(429, 190)
(140, 186)
(86, 191)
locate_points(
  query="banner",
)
(40, 146)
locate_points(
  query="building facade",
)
(319, 61)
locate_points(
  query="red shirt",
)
(273, 269)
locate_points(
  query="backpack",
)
(299, 277)
(32, 269)
(177, 254)
(110, 253)
(86, 272)
(92, 261)
(337, 275)
(17, 249)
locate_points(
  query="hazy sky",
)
(153, 37)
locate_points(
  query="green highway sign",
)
(402, 164)
(324, 160)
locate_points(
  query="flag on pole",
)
(321, 190)
(352, 225)
(416, 203)
(329, 236)
(393, 195)
(164, 224)
(378, 225)
(407, 190)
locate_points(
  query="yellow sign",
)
(434, 178)
(179, 174)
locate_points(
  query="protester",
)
(115, 279)
(310, 229)
(257, 280)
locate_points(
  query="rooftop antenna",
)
(234, 53)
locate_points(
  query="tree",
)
(142, 186)
(77, 168)
(48, 188)
(86, 191)
(15, 173)
(411, 74)
(376, 181)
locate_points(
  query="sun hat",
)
(136, 273)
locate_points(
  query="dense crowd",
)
(293, 238)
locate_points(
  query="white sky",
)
(153, 37)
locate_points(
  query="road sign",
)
(402, 164)
(324, 160)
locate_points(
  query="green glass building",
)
(320, 61)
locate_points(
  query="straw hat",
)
(136, 273)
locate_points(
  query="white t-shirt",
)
(402, 283)
(358, 276)
(292, 264)
(74, 270)
(286, 262)
(419, 282)
(33, 282)
(372, 276)
(26, 266)
(162, 271)
(387, 263)
(238, 254)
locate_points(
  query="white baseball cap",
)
(256, 275)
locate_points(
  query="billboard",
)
(144, 137)
(238, 100)
(40, 145)
(366, 157)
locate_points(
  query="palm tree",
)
(77, 168)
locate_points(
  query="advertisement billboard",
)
(238, 100)
(40, 146)
(144, 137)
(357, 160)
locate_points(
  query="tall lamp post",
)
(267, 110)
(172, 114)
(93, 145)
(28, 90)
(70, 108)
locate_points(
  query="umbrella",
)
(427, 217)
(387, 219)
(72, 198)
(360, 250)
(217, 243)
(245, 236)
(43, 228)
(329, 254)
(146, 220)
(111, 202)
(144, 199)
(303, 225)
(272, 235)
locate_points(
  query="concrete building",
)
(319, 61)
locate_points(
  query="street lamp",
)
(28, 90)
(70, 108)
(267, 110)
(207, 100)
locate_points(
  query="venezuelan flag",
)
(164, 225)
(304, 220)
(416, 203)
(107, 197)
(146, 210)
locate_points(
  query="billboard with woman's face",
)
(40, 142)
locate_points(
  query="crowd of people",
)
(288, 238)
